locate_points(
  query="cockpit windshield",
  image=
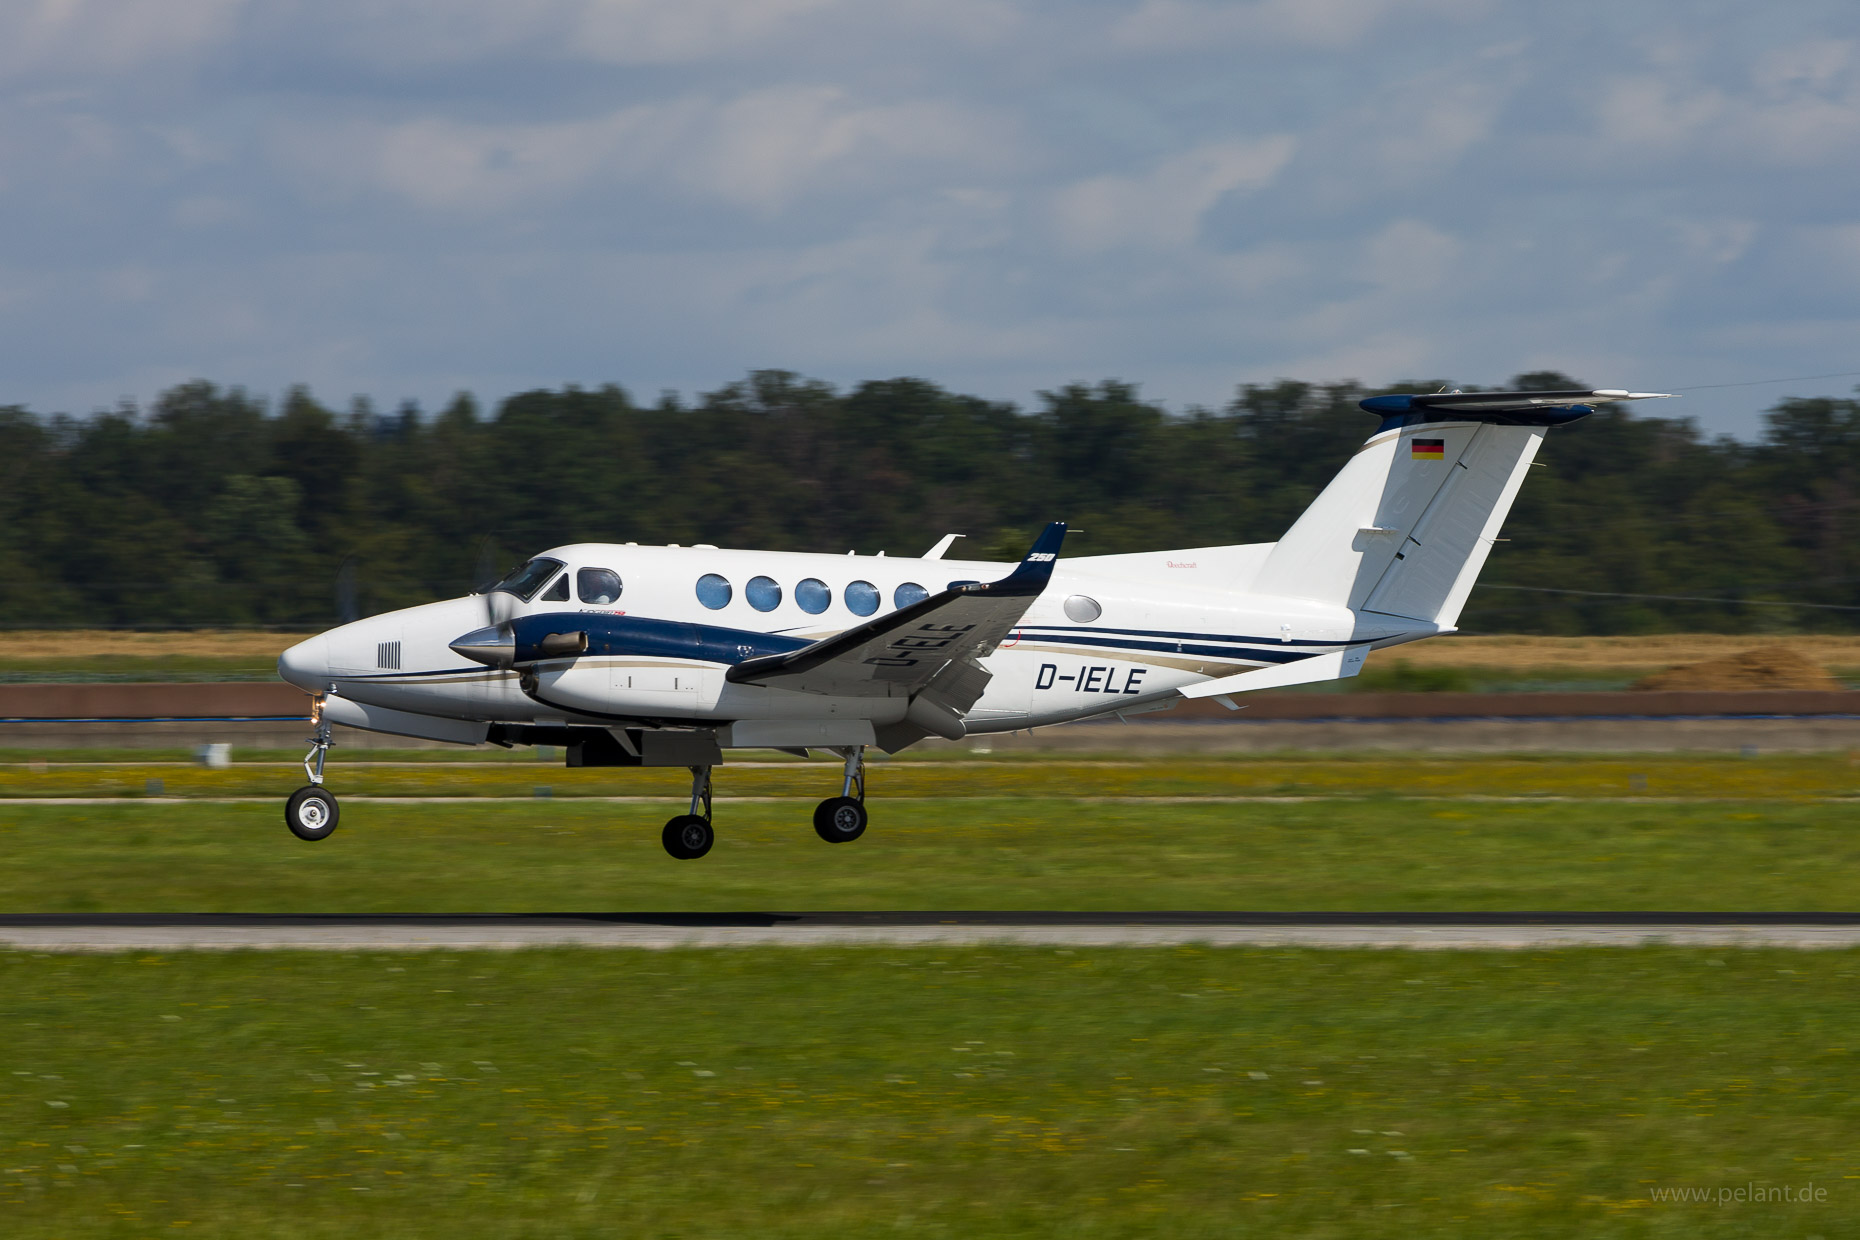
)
(524, 581)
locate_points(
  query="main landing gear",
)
(312, 812)
(689, 836)
(841, 819)
(837, 820)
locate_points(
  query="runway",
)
(660, 931)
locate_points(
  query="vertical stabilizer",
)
(1440, 558)
(1407, 524)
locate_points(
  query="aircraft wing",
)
(937, 639)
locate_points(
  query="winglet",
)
(1035, 569)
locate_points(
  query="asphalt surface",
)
(395, 932)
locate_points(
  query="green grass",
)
(1370, 853)
(168, 668)
(1783, 778)
(956, 1091)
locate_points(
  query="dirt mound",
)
(1767, 667)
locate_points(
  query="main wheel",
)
(688, 837)
(311, 812)
(840, 819)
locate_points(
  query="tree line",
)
(212, 507)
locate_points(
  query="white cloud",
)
(398, 35)
(1430, 126)
(1178, 25)
(1816, 65)
(675, 31)
(389, 193)
(1410, 256)
(54, 36)
(1657, 115)
(1799, 106)
(765, 149)
(1163, 207)
(1715, 240)
(759, 150)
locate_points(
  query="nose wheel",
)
(312, 812)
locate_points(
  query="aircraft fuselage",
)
(1109, 633)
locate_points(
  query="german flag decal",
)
(1427, 449)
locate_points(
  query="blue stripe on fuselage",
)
(1068, 630)
(644, 637)
(1257, 654)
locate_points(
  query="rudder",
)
(1407, 524)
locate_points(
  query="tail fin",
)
(1405, 527)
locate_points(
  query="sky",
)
(408, 198)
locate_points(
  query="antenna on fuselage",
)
(943, 544)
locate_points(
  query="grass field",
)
(957, 1091)
(493, 772)
(1662, 832)
(1025, 852)
(987, 1091)
(53, 655)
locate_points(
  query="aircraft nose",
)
(306, 665)
(494, 646)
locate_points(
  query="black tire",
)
(688, 837)
(840, 820)
(311, 813)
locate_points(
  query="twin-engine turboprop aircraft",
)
(669, 656)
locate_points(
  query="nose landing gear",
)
(689, 836)
(312, 812)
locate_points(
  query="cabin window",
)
(763, 593)
(1082, 609)
(813, 596)
(557, 593)
(908, 593)
(600, 586)
(714, 591)
(526, 579)
(861, 598)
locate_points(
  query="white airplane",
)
(668, 656)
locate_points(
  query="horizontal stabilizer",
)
(1336, 665)
(1516, 408)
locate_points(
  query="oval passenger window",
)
(908, 593)
(714, 591)
(861, 598)
(763, 593)
(599, 586)
(1081, 609)
(813, 596)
